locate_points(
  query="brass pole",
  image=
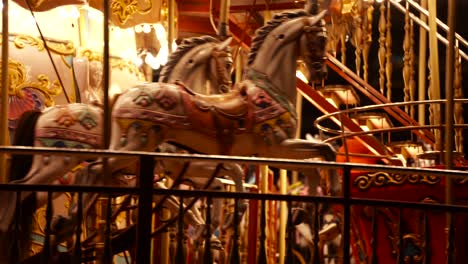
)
(449, 91)
(434, 62)
(283, 216)
(224, 19)
(171, 24)
(165, 239)
(422, 67)
(4, 94)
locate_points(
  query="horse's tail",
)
(24, 136)
(21, 226)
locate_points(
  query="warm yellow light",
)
(301, 76)
(160, 31)
(146, 28)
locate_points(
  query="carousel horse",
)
(256, 118)
(199, 172)
(77, 126)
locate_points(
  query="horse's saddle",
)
(230, 105)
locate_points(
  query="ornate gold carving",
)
(381, 52)
(381, 179)
(115, 62)
(124, 9)
(458, 94)
(17, 78)
(388, 54)
(59, 47)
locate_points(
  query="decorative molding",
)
(382, 179)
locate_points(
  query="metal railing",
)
(145, 193)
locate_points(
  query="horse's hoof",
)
(215, 243)
(329, 232)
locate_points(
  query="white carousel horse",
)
(186, 68)
(257, 118)
(76, 126)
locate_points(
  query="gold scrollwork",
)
(17, 82)
(59, 47)
(115, 62)
(124, 9)
(380, 179)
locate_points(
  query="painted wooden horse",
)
(75, 126)
(257, 118)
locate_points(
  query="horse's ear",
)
(316, 18)
(224, 44)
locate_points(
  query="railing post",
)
(346, 214)
(143, 255)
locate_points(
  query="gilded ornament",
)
(381, 179)
(58, 47)
(124, 9)
(17, 76)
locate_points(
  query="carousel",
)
(233, 131)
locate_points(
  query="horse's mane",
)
(262, 32)
(184, 47)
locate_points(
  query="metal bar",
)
(449, 119)
(289, 235)
(46, 251)
(4, 93)
(400, 253)
(79, 217)
(235, 255)
(262, 258)
(427, 237)
(316, 239)
(145, 184)
(107, 257)
(207, 257)
(374, 243)
(179, 255)
(422, 68)
(346, 214)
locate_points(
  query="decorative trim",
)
(382, 179)
(17, 75)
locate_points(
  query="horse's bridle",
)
(224, 80)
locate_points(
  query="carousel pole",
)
(223, 27)
(4, 95)
(449, 118)
(422, 67)
(283, 216)
(164, 253)
(434, 64)
(104, 253)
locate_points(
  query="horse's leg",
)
(192, 216)
(45, 169)
(303, 149)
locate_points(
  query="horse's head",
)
(220, 67)
(200, 60)
(312, 46)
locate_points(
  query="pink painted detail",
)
(65, 118)
(55, 133)
(69, 177)
(175, 121)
